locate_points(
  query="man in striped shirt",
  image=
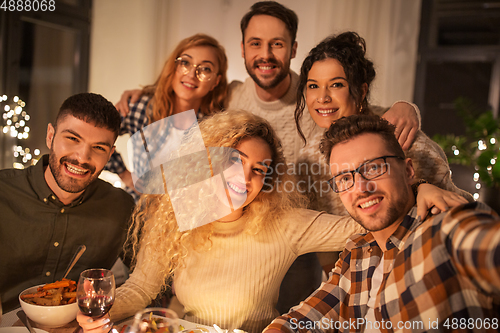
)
(440, 273)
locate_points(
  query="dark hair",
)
(350, 50)
(275, 9)
(93, 109)
(347, 128)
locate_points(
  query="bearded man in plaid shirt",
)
(441, 273)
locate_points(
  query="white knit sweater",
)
(235, 284)
(279, 113)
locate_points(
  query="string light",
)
(481, 145)
(15, 124)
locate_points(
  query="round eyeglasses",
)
(204, 71)
(369, 170)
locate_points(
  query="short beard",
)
(394, 212)
(70, 185)
(282, 74)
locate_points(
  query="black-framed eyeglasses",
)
(369, 170)
(204, 71)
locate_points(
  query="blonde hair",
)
(162, 103)
(154, 224)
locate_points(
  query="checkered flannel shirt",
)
(436, 272)
(135, 120)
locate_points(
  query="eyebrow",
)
(283, 39)
(245, 155)
(332, 79)
(80, 137)
(187, 55)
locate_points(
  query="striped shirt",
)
(442, 274)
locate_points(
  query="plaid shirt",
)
(135, 120)
(441, 274)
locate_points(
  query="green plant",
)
(479, 148)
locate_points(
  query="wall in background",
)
(131, 39)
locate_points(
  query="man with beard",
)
(51, 208)
(441, 273)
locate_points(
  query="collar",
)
(43, 191)
(288, 99)
(410, 223)
(396, 240)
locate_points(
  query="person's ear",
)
(294, 50)
(364, 89)
(50, 135)
(410, 171)
(216, 82)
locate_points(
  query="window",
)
(44, 59)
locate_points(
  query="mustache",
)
(365, 196)
(75, 162)
(271, 61)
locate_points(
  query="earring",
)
(361, 108)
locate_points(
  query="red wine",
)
(96, 306)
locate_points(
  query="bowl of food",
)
(50, 305)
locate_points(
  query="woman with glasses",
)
(228, 271)
(193, 78)
(334, 82)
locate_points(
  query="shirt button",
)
(47, 273)
(52, 197)
(62, 210)
(45, 200)
(56, 244)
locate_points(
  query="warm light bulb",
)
(476, 196)
(476, 177)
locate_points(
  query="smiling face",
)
(268, 50)
(78, 153)
(379, 203)
(327, 93)
(254, 159)
(189, 90)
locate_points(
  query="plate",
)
(19, 329)
(191, 326)
(188, 326)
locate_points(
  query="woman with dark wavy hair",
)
(335, 80)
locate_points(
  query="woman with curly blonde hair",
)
(193, 77)
(228, 272)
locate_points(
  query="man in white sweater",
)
(268, 46)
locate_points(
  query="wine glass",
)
(155, 320)
(96, 292)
